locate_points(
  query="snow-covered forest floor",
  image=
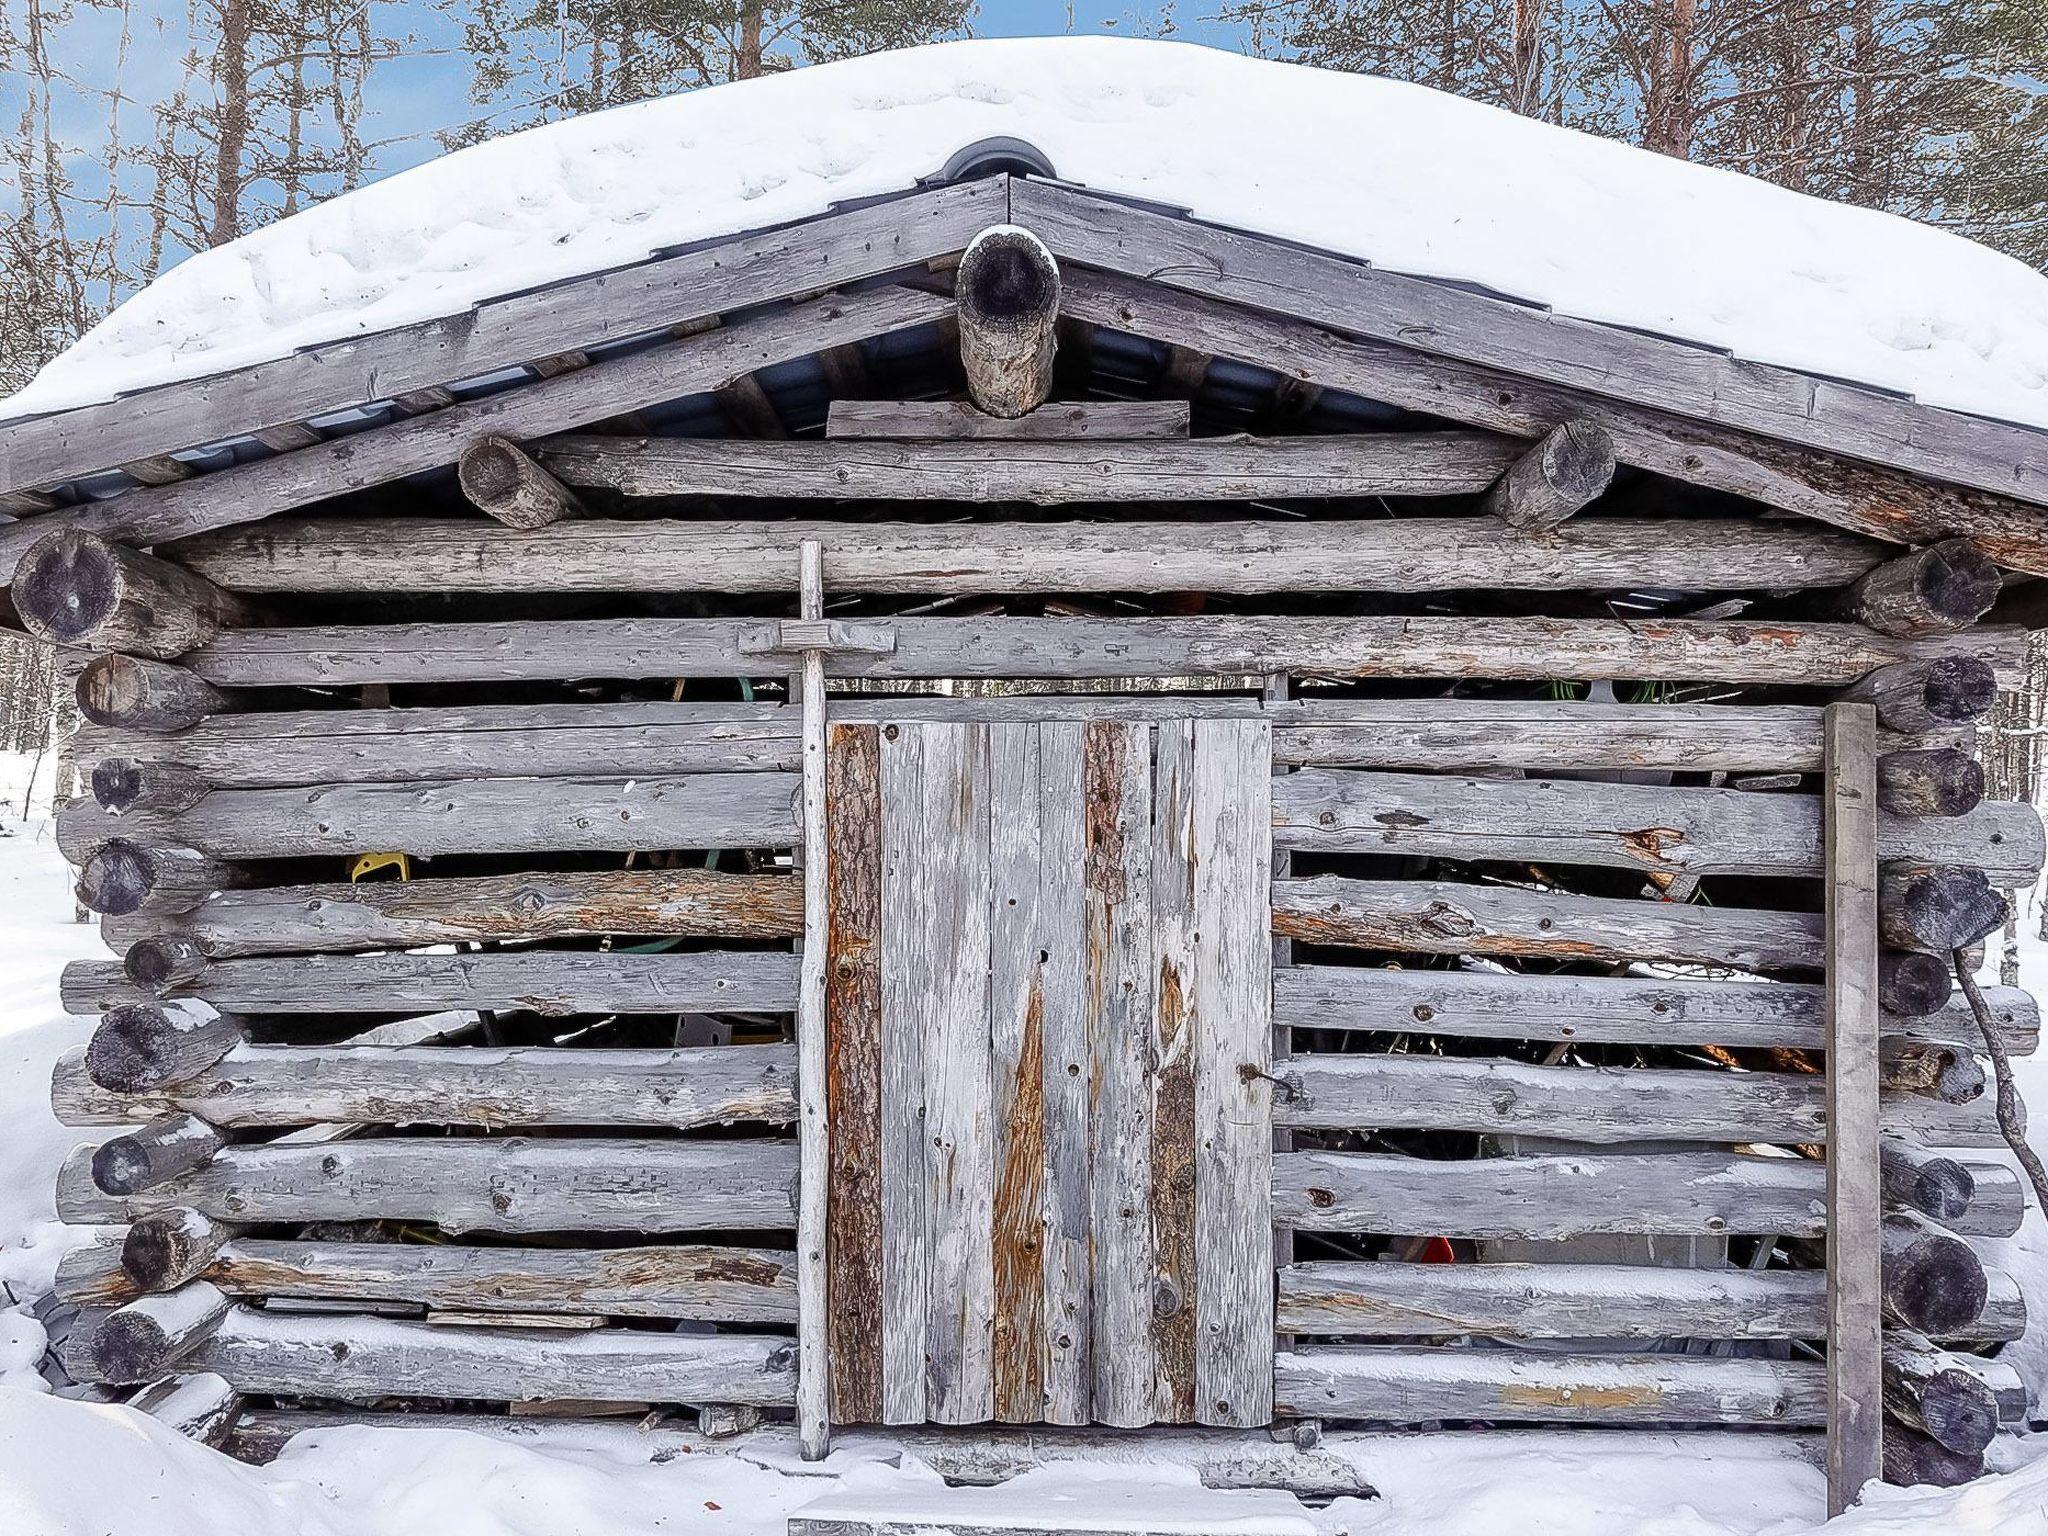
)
(72, 1469)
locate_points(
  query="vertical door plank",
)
(1175, 942)
(953, 826)
(905, 1004)
(853, 1071)
(1855, 1409)
(1233, 1101)
(1117, 809)
(813, 1125)
(1065, 1024)
(1016, 1017)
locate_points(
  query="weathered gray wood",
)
(1927, 1182)
(814, 1137)
(1550, 1301)
(906, 1233)
(140, 1341)
(167, 1249)
(141, 1048)
(310, 919)
(724, 810)
(1937, 909)
(1947, 1073)
(92, 1275)
(124, 878)
(1442, 917)
(501, 479)
(1562, 475)
(1599, 1010)
(136, 694)
(1233, 1041)
(1855, 1413)
(1325, 555)
(1933, 591)
(1783, 655)
(1008, 290)
(1525, 340)
(1176, 1052)
(1940, 1394)
(1625, 826)
(74, 588)
(500, 333)
(508, 1184)
(1044, 474)
(1091, 419)
(379, 455)
(1998, 1202)
(169, 1145)
(1389, 1384)
(1932, 1281)
(202, 1408)
(1549, 1197)
(1933, 781)
(1117, 817)
(543, 981)
(322, 1355)
(1929, 693)
(494, 1087)
(122, 784)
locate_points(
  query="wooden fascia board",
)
(753, 268)
(1694, 382)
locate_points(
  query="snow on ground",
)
(1409, 179)
(77, 1469)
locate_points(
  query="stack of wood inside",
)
(1325, 884)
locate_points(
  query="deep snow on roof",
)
(1404, 177)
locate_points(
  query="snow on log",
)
(166, 1249)
(1007, 292)
(139, 1047)
(1938, 1393)
(141, 1340)
(168, 1146)
(202, 1407)
(75, 589)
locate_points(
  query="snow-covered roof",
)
(1401, 176)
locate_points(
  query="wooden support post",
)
(74, 588)
(1562, 475)
(136, 694)
(813, 1133)
(1934, 591)
(1007, 291)
(503, 481)
(1855, 1412)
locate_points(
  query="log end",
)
(163, 963)
(121, 1166)
(67, 586)
(117, 880)
(130, 1052)
(1958, 582)
(1911, 983)
(1958, 689)
(116, 781)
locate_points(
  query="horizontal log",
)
(1936, 909)
(1706, 1194)
(1914, 1460)
(1946, 1073)
(1534, 650)
(73, 588)
(122, 784)
(1093, 419)
(1626, 1010)
(1935, 1185)
(162, 963)
(1623, 826)
(1912, 984)
(1389, 1384)
(1323, 1091)
(1942, 1395)
(1933, 591)
(173, 1143)
(1934, 781)
(121, 877)
(1562, 475)
(307, 919)
(1442, 917)
(166, 1249)
(553, 982)
(91, 1275)
(500, 479)
(493, 1087)
(325, 1355)
(1928, 693)
(1997, 1206)
(202, 1407)
(495, 1184)
(1041, 473)
(136, 694)
(719, 810)
(1933, 1281)
(941, 559)
(142, 1047)
(140, 1341)
(1551, 1301)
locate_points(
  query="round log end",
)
(1933, 1283)
(1578, 459)
(1957, 581)
(1936, 781)
(161, 963)
(116, 781)
(1008, 279)
(1914, 1460)
(1959, 1410)
(164, 1249)
(1958, 689)
(67, 586)
(491, 470)
(1911, 984)
(121, 1166)
(128, 1346)
(130, 1051)
(118, 879)
(1942, 1188)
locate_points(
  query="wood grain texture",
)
(1178, 1034)
(905, 1207)
(960, 418)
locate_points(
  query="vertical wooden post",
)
(813, 1141)
(1855, 1385)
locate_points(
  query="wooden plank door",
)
(1048, 1015)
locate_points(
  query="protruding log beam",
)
(92, 1275)
(1933, 1281)
(1915, 1460)
(1931, 781)
(1936, 1186)
(202, 1407)
(1935, 909)
(136, 694)
(167, 1249)
(1928, 1389)
(74, 588)
(1563, 474)
(1928, 694)
(1944, 1072)
(501, 479)
(1912, 983)
(1007, 292)
(156, 1154)
(124, 784)
(164, 963)
(1933, 591)
(142, 1340)
(139, 1048)
(123, 877)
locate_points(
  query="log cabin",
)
(997, 805)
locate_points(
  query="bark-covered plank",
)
(1177, 1037)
